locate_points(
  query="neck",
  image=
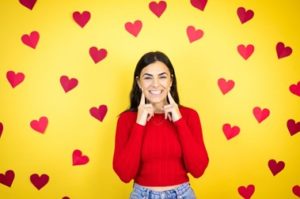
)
(159, 107)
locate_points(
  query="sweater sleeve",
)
(194, 152)
(128, 142)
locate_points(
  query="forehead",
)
(155, 68)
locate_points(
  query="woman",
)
(158, 141)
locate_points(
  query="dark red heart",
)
(244, 15)
(39, 181)
(229, 131)
(7, 178)
(97, 55)
(99, 113)
(276, 167)
(81, 18)
(158, 8)
(28, 3)
(246, 192)
(14, 78)
(79, 158)
(293, 126)
(296, 190)
(282, 50)
(199, 4)
(295, 89)
(1, 129)
(68, 83)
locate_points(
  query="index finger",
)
(171, 100)
(142, 98)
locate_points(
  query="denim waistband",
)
(172, 193)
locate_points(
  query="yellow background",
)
(263, 80)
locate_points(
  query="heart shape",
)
(245, 51)
(193, 33)
(79, 158)
(293, 126)
(97, 55)
(39, 181)
(225, 85)
(246, 192)
(14, 78)
(260, 114)
(99, 113)
(7, 178)
(295, 89)
(81, 18)
(67, 83)
(199, 4)
(158, 8)
(39, 125)
(134, 28)
(229, 131)
(296, 190)
(1, 129)
(282, 50)
(276, 167)
(244, 15)
(31, 40)
(28, 3)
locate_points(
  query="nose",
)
(155, 82)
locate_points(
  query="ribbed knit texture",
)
(162, 152)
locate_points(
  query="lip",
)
(155, 92)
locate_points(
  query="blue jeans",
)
(184, 191)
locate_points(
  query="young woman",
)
(157, 140)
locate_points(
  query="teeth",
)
(155, 92)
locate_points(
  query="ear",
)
(138, 82)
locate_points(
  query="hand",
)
(145, 111)
(171, 110)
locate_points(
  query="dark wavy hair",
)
(146, 59)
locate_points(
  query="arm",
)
(194, 151)
(128, 142)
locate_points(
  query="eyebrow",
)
(160, 74)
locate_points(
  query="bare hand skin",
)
(145, 111)
(171, 110)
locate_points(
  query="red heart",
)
(296, 190)
(158, 8)
(245, 51)
(78, 158)
(193, 33)
(295, 89)
(260, 114)
(99, 113)
(39, 125)
(225, 86)
(134, 28)
(282, 50)
(1, 129)
(14, 78)
(68, 84)
(39, 181)
(28, 3)
(7, 178)
(31, 40)
(293, 126)
(81, 18)
(229, 131)
(244, 15)
(97, 55)
(199, 4)
(275, 167)
(246, 192)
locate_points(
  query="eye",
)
(163, 77)
(147, 77)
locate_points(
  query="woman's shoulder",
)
(128, 115)
(187, 110)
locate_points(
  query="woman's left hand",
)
(171, 110)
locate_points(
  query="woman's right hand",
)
(145, 111)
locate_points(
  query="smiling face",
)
(155, 81)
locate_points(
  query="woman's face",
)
(155, 81)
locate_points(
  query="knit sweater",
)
(162, 152)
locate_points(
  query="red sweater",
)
(161, 152)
